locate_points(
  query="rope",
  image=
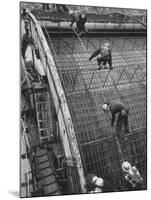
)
(84, 48)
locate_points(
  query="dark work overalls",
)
(80, 22)
(116, 108)
(104, 58)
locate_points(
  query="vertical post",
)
(87, 43)
(75, 80)
(121, 75)
(134, 73)
(91, 80)
(106, 78)
(59, 46)
(123, 44)
(119, 147)
(73, 45)
(100, 41)
(134, 44)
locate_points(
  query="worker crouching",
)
(104, 56)
(95, 184)
(133, 179)
(118, 108)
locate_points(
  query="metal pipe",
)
(94, 26)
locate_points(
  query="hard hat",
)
(83, 14)
(105, 107)
(99, 182)
(126, 166)
(123, 112)
(70, 12)
(107, 44)
(91, 178)
(94, 179)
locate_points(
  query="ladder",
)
(43, 114)
(46, 175)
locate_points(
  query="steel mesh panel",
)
(86, 90)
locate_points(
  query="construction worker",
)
(95, 184)
(116, 107)
(133, 179)
(104, 57)
(80, 20)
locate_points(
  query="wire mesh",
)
(85, 91)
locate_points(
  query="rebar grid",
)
(83, 85)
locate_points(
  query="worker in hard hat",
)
(104, 56)
(118, 108)
(133, 179)
(96, 184)
(80, 20)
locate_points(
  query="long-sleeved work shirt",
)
(104, 51)
(116, 107)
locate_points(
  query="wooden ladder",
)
(43, 113)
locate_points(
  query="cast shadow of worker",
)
(14, 193)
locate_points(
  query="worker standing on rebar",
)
(118, 108)
(104, 56)
(133, 179)
(80, 20)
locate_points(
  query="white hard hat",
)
(83, 14)
(94, 179)
(107, 44)
(71, 12)
(126, 166)
(99, 182)
(105, 107)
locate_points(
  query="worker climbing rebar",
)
(104, 57)
(80, 19)
(117, 107)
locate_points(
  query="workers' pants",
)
(80, 27)
(104, 59)
(122, 120)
